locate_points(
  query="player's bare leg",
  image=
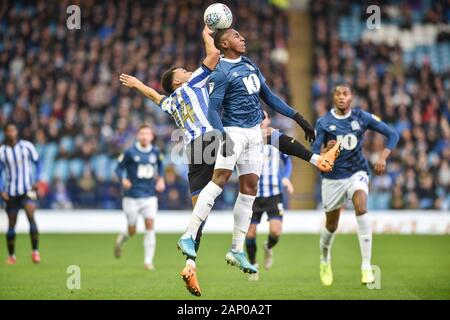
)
(34, 234)
(275, 227)
(326, 242)
(250, 243)
(121, 239)
(242, 213)
(11, 237)
(149, 244)
(364, 235)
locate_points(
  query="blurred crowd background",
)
(61, 87)
(401, 73)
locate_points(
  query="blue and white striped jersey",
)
(273, 171)
(188, 105)
(17, 163)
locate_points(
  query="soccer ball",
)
(218, 16)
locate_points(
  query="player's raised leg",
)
(327, 235)
(290, 146)
(364, 235)
(250, 245)
(34, 234)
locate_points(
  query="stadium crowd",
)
(61, 86)
(405, 82)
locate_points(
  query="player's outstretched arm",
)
(375, 123)
(133, 82)
(275, 103)
(212, 53)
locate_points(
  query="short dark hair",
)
(167, 80)
(9, 124)
(218, 35)
(345, 85)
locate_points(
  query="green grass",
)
(412, 267)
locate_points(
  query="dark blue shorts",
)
(14, 204)
(272, 205)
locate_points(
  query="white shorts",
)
(147, 207)
(336, 192)
(248, 155)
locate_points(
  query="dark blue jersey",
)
(141, 167)
(350, 129)
(237, 84)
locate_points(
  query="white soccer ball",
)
(218, 16)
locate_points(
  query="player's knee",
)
(149, 224)
(251, 234)
(275, 233)
(221, 177)
(332, 225)
(131, 231)
(249, 189)
(360, 210)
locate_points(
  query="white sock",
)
(365, 240)
(242, 213)
(190, 262)
(202, 208)
(326, 242)
(314, 159)
(149, 246)
(124, 237)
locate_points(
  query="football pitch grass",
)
(412, 267)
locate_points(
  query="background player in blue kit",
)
(349, 178)
(275, 176)
(18, 158)
(141, 172)
(235, 87)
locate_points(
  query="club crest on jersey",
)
(355, 125)
(136, 158)
(332, 127)
(152, 158)
(211, 87)
(250, 66)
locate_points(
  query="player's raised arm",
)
(133, 82)
(212, 53)
(375, 123)
(275, 103)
